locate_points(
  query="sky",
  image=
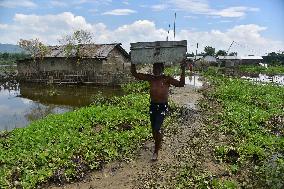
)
(255, 26)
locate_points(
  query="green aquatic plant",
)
(260, 69)
(252, 116)
(63, 147)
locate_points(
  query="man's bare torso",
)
(159, 83)
(159, 89)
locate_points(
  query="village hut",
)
(106, 64)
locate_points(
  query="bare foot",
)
(154, 157)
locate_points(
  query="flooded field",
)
(21, 103)
(276, 79)
(193, 81)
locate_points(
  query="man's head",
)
(158, 68)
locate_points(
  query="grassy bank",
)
(64, 147)
(251, 116)
(260, 69)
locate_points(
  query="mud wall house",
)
(100, 64)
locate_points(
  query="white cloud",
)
(159, 7)
(119, 12)
(232, 12)
(248, 40)
(203, 7)
(17, 3)
(50, 28)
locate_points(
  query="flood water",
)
(194, 81)
(21, 103)
(276, 79)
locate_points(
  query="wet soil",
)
(186, 144)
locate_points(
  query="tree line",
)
(271, 58)
(211, 51)
(11, 58)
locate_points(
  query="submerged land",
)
(227, 134)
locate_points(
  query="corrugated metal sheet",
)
(88, 51)
(251, 58)
(240, 58)
(228, 58)
(194, 57)
(210, 59)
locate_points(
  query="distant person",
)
(159, 93)
(190, 65)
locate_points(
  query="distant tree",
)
(274, 58)
(233, 54)
(75, 42)
(35, 48)
(11, 58)
(221, 53)
(209, 50)
(5, 55)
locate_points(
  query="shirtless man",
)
(159, 93)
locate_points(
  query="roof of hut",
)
(88, 51)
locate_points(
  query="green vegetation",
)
(209, 50)
(174, 71)
(11, 58)
(260, 69)
(274, 58)
(251, 117)
(60, 148)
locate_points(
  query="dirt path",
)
(184, 145)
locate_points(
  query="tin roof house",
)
(231, 61)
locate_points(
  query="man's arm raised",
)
(181, 81)
(140, 76)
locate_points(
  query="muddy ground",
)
(185, 160)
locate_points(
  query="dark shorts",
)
(157, 114)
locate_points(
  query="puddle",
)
(263, 78)
(192, 81)
(22, 103)
(191, 105)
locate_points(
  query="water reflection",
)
(192, 81)
(22, 103)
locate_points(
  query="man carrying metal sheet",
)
(159, 93)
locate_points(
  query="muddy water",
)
(193, 81)
(276, 79)
(22, 103)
